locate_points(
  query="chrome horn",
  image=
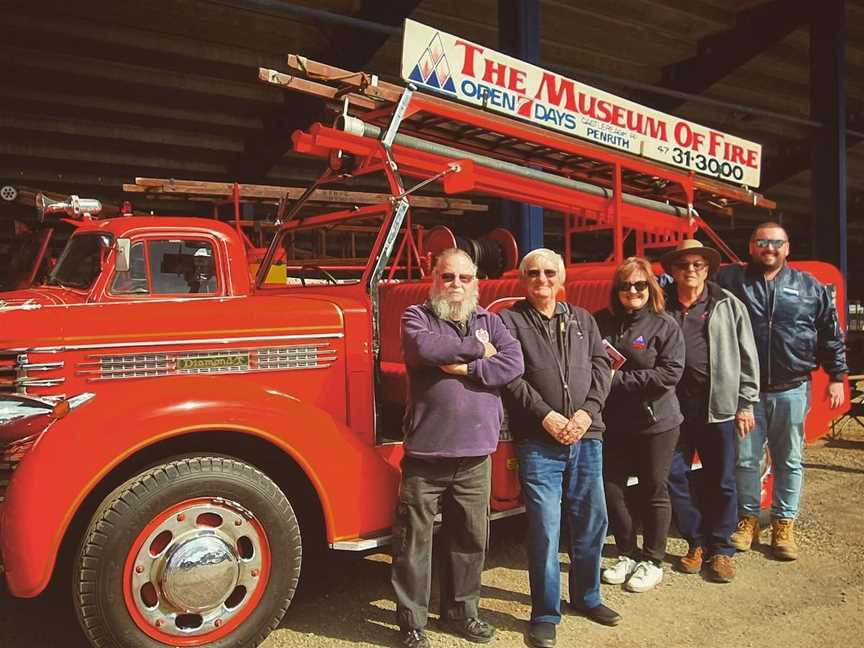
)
(73, 206)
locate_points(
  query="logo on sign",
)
(432, 69)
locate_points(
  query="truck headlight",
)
(23, 416)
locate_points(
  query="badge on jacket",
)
(482, 335)
(639, 343)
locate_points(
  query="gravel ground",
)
(816, 601)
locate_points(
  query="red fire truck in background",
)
(175, 429)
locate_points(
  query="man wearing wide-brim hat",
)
(691, 246)
(717, 393)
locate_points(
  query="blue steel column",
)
(828, 106)
(519, 36)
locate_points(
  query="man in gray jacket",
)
(717, 394)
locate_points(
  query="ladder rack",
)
(595, 187)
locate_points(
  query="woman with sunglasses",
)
(642, 420)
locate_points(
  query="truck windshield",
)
(81, 261)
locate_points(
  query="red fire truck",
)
(175, 430)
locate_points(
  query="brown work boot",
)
(692, 562)
(721, 569)
(746, 534)
(783, 539)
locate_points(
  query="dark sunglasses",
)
(534, 273)
(697, 265)
(775, 243)
(627, 286)
(449, 277)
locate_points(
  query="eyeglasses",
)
(774, 243)
(450, 277)
(534, 273)
(627, 286)
(685, 265)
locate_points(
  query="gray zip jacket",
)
(732, 357)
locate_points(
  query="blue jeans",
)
(706, 511)
(779, 422)
(553, 474)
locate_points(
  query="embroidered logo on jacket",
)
(482, 335)
(639, 343)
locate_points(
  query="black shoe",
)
(601, 614)
(472, 629)
(414, 638)
(541, 634)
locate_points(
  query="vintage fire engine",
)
(174, 430)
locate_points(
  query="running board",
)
(366, 544)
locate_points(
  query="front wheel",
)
(200, 551)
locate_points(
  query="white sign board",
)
(436, 60)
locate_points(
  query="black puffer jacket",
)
(654, 347)
(796, 333)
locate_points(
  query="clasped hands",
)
(461, 369)
(567, 431)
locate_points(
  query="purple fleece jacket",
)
(455, 416)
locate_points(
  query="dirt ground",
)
(816, 601)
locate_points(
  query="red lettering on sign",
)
(604, 110)
(468, 60)
(752, 160)
(715, 139)
(495, 73)
(517, 80)
(683, 134)
(657, 129)
(587, 104)
(617, 115)
(554, 88)
(733, 153)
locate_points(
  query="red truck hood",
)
(34, 298)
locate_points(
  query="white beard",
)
(454, 311)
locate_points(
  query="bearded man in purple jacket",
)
(458, 357)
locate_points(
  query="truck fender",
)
(78, 452)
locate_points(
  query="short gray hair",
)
(543, 253)
(454, 252)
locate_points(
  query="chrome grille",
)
(10, 456)
(8, 371)
(207, 361)
(17, 373)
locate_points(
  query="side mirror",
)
(121, 259)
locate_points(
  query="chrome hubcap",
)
(198, 567)
(200, 573)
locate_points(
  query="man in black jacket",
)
(796, 329)
(555, 415)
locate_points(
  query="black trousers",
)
(461, 489)
(648, 457)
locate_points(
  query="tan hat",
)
(691, 246)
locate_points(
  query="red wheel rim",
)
(194, 539)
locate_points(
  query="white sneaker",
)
(619, 572)
(646, 576)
